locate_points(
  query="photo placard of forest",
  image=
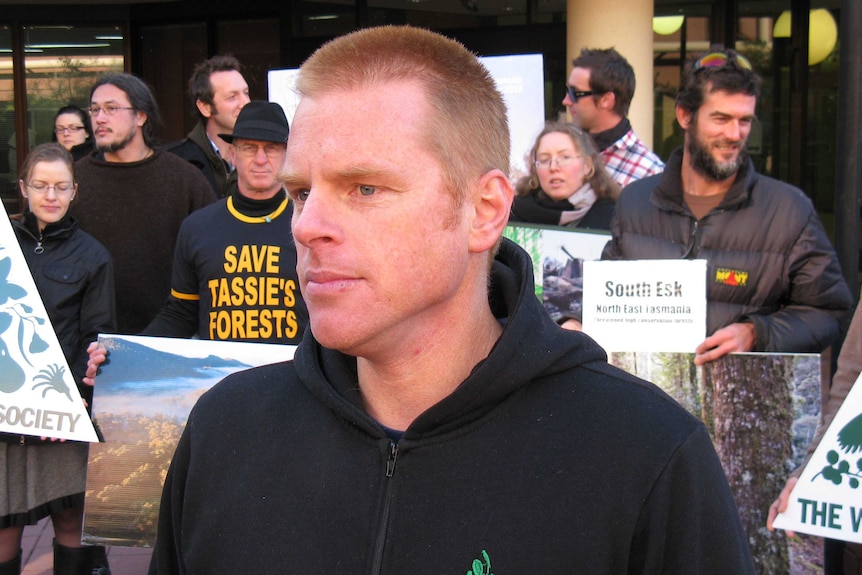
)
(143, 396)
(761, 410)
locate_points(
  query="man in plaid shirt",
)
(598, 94)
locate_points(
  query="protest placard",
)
(38, 395)
(142, 399)
(645, 305)
(827, 499)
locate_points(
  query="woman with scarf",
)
(567, 184)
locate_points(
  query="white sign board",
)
(645, 305)
(520, 78)
(827, 499)
(38, 395)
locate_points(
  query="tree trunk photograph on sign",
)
(761, 410)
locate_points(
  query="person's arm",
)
(690, 523)
(179, 316)
(818, 302)
(98, 314)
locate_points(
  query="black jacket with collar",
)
(197, 149)
(75, 279)
(544, 460)
(769, 259)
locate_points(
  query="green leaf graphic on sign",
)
(850, 436)
(850, 440)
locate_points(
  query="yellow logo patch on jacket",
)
(729, 277)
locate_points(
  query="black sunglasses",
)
(575, 95)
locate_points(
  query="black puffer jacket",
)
(75, 279)
(769, 260)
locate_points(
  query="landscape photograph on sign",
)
(143, 396)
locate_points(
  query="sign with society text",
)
(38, 395)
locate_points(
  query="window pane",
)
(8, 172)
(61, 63)
(169, 54)
(255, 44)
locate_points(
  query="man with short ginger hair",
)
(434, 420)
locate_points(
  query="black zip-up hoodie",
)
(545, 460)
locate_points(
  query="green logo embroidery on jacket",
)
(482, 567)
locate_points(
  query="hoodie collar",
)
(531, 346)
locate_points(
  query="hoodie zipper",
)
(379, 546)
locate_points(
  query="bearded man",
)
(133, 196)
(774, 282)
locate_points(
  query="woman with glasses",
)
(567, 184)
(74, 276)
(72, 131)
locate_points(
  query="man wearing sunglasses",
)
(774, 282)
(598, 94)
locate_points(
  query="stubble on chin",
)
(705, 164)
(115, 146)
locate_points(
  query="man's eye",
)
(367, 190)
(301, 195)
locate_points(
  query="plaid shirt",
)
(628, 159)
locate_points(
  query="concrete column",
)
(627, 26)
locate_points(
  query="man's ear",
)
(492, 204)
(141, 118)
(607, 101)
(683, 117)
(204, 108)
